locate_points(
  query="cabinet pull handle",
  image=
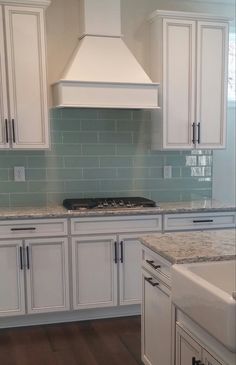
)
(23, 229)
(121, 252)
(13, 130)
(149, 280)
(6, 129)
(203, 221)
(151, 263)
(116, 253)
(196, 362)
(194, 133)
(21, 258)
(198, 133)
(27, 257)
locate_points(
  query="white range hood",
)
(103, 73)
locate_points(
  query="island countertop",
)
(190, 247)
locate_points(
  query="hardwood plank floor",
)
(115, 341)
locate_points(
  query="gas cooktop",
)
(108, 203)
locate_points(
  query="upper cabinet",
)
(23, 84)
(189, 57)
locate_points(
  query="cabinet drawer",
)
(157, 265)
(181, 222)
(145, 223)
(33, 228)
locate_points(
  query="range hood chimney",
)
(102, 72)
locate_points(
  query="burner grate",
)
(105, 203)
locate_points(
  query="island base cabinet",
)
(47, 275)
(12, 296)
(186, 348)
(156, 322)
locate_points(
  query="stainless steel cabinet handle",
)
(194, 133)
(23, 229)
(28, 257)
(13, 130)
(6, 130)
(199, 133)
(149, 280)
(121, 252)
(21, 258)
(151, 263)
(203, 221)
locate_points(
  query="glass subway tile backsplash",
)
(102, 152)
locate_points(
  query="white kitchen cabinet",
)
(23, 95)
(187, 348)
(12, 295)
(47, 275)
(189, 53)
(156, 321)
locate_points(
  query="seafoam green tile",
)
(35, 174)
(115, 137)
(80, 162)
(80, 137)
(98, 125)
(66, 149)
(156, 172)
(55, 113)
(13, 187)
(114, 114)
(4, 200)
(133, 173)
(11, 161)
(57, 198)
(165, 196)
(116, 185)
(101, 173)
(196, 194)
(141, 114)
(61, 125)
(64, 174)
(82, 186)
(79, 113)
(142, 137)
(115, 161)
(177, 160)
(45, 162)
(4, 174)
(48, 186)
(56, 137)
(132, 149)
(98, 149)
(148, 161)
(130, 125)
(28, 200)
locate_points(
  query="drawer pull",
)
(21, 258)
(27, 257)
(121, 252)
(196, 362)
(149, 280)
(203, 221)
(151, 263)
(116, 252)
(23, 229)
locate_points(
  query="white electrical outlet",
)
(167, 172)
(19, 173)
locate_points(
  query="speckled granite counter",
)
(58, 211)
(189, 247)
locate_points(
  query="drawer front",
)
(181, 222)
(33, 228)
(158, 266)
(116, 224)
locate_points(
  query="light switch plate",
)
(19, 173)
(167, 172)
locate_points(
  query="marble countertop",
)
(58, 211)
(190, 247)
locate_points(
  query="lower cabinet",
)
(106, 271)
(156, 321)
(190, 352)
(37, 270)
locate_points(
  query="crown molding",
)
(41, 3)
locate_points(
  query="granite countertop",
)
(58, 211)
(190, 247)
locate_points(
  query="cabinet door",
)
(212, 81)
(94, 264)
(3, 91)
(130, 270)
(179, 47)
(156, 323)
(186, 348)
(47, 275)
(209, 359)
(12, 295)
(25, 48)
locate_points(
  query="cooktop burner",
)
(108, 203)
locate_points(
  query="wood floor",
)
(101, 342)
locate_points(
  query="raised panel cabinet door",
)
(208, 359)
(156, 322)
(25, 48)
(186, 348)
(12, 294)
(4, 133)
(47, 275)
(179, 46)
(130, 274)
(212, 62)
(94, 267)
